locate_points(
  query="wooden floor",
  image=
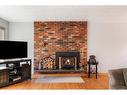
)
(90, 83)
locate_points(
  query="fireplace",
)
(60, 40)
(67, 60)
(68, 63)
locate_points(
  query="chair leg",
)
(96, 71)
(89, 72)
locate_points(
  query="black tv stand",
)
(15, 71)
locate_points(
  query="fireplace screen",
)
(69, 63)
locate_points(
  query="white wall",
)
(5, 24)
(107, 35)
(23, 32)
(108, 41)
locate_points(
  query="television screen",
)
(13, 49)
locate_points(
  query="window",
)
(2, 32)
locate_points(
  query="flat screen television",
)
(13, 49)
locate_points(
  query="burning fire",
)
(67, 62)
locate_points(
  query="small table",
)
(89, 72)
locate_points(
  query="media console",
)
(14, 71)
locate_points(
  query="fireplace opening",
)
(67, 60)
(67, 63)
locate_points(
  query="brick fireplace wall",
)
(57, 36)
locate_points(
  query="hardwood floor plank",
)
(90, 83)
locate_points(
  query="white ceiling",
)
(58, 13)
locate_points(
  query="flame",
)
(67, 62)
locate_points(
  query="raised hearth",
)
(63, 62)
